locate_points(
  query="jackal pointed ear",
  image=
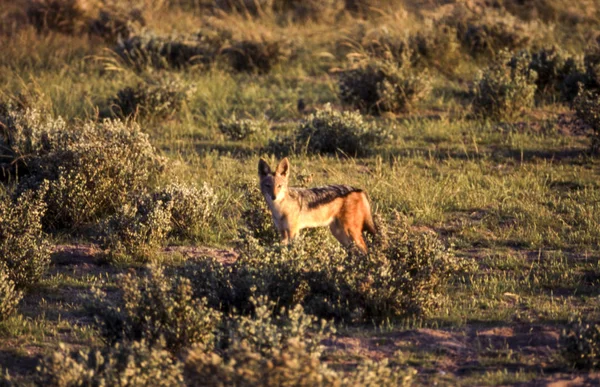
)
(263, 168)
(283, 168)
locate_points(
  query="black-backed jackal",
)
(346, 210)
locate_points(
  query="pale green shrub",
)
(191, 208)
(274, 348)
(332, 132)
(265, 349)
(137, 231)
(159, 99)
(125, 364)
(258, 55)
(9, 295)
(93, 167)
(115, 23)
(24, 249)
(155, 307)
(581, 345)
(505, 89)
(151, 51)
(553, 67)
(377, 86)
(237, 129)
(587, 108)
(403, 275)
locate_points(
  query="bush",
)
(505, 88)
(116, 23)
(9, 295)
(376, 86)
(403, 275)
(125, 364)
(488, 32)
(136, 231)
(265, 350)
(163, 52)
(332, 132)
(281, 349)
(581, 345)
(587, 108)
(256, 221)
(65, 16)
(592, 67)
(240, 129)
(155, 307)
(24, 249)
(191, 208)
(257, 56)
(553, 68)
(162, 99)
(437, 45)
(93, 168)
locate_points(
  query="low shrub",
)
(24, 248)
(65, 16)
(155, 307)
(332, 132)
(265, 350)
(587, 108)
(437, 45)
(555, 71)
(505, 88)
(116, 23)
(581, 345)
(257, 56)
(136, 232)
(158, 99)
(93, 168)
(9, 295)
(256, 221)
(125, 364)
(592, 67)
(403, 275)
(489, 32)
(239, 129)
(376, 86)
(191, 208)
(148, 50)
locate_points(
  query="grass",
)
(521, 199)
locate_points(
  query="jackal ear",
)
(283, 168)
(263, 168)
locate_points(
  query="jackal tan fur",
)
(346, 210)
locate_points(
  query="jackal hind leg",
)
(357, 238)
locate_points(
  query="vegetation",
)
(505, 89)
(136, 248)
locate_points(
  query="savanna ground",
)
(514, 194)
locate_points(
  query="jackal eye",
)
(279, 185)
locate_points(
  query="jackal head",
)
(273, 185)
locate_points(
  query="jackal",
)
(346, 210)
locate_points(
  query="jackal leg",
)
(356, 235)
(339, 233)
